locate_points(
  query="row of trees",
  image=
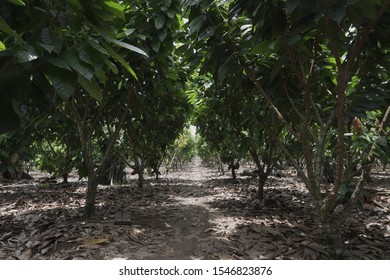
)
(96, 85)
(303, 81)
(90, 85)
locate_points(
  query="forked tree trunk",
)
(263, 176)
(233, 168)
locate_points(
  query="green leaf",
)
(58, 62)
(159, 21)
(63, 81)
(8, 30)
(126, 33)
(292, 40)
(291, 5)
(92, 87)
(206, 33)
(196, 24)
(128, 46)
(115, 8)
(129, 31)
(2, 46)
(170, 13)
(50, 39)
(120, 59)
(162, 35)
(76, 4)
(156, 45)
(26, 55)
(112, 67)
(143, 37)
(90, 56)
(17, 2)
(98, 47)
(260, 48)
(101, 75)
(48, 48)
(83, 69)
(337, 12)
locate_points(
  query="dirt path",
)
(192, 214)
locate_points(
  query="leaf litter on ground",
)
(195, 213)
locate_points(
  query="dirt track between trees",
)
(193, 214)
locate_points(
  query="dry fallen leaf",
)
(99, 241)
(387, 231)
(26, 255)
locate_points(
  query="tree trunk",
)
(234, 173)
(333, 241)
(220, 167)
(91, 196)
(262, 175)
(139, 168)
(260, 188)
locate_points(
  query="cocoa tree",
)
(309, 61)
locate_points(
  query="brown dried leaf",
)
(26, 255)
(99, 241)
(387, 231)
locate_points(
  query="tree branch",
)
(270, 103)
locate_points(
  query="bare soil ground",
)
(192, 214)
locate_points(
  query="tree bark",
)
(89, 207)
(139, 169)
(262, 177)
(333, 240)
(234, 173)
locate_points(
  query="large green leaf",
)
(80, 67)
(17, 2)
(128, 46)
(48, 48)
(156, 45)
(162, 35)
(2, 46)
(207, 33)
(196, 24)
(58, 62)
(112, 67)
(337, 12)
(91, 56)
(293, 39)
(120, 59)
(62, 80)
(25, 55)
(170, 13)
(8, 30)
(159, 21)
(115, 8)
(97, 46)
(92, 87)
(49, 38)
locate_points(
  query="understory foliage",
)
(99, 85)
